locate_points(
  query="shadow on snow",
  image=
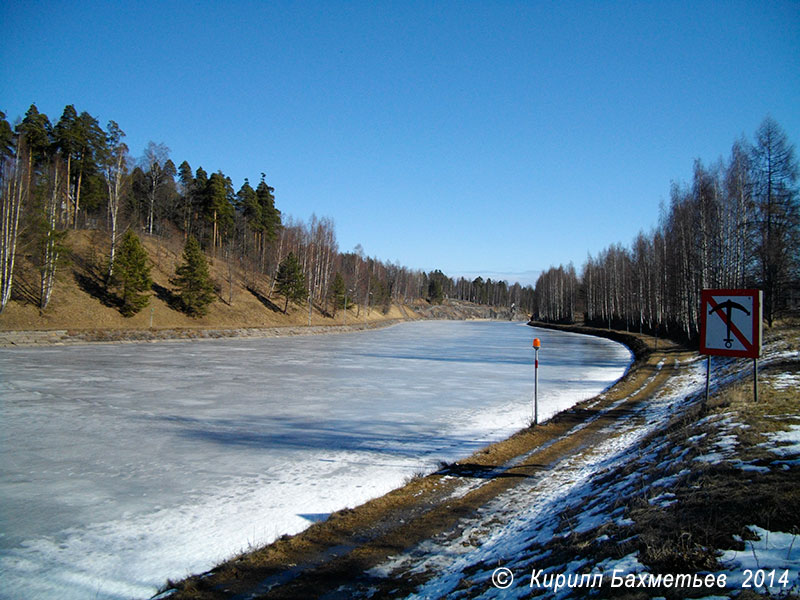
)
(288, 433)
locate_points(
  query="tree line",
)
(75, 174)
(736, 225)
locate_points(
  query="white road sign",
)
(730, 323)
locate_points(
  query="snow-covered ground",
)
(125, 465)
(498, 552)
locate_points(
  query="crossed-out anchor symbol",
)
(729, 305)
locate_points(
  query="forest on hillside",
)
(736, 225)
(75, 175)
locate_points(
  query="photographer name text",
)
(503, 578)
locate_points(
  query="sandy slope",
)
(79, 301)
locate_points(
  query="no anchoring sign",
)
(730, 323)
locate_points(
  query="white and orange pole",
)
(536, 345)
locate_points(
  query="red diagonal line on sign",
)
(734, 330)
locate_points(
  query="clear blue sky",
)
(475, 137)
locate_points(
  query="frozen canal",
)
(125, 465)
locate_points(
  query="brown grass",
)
(80, 302)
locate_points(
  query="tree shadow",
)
(264, 300)
(168, 297)
(478, 471)
(386, 438)
(25, 291)
(95, 287)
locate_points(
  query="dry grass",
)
(80, 302)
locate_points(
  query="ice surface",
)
(125, 465)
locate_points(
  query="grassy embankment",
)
(80, 301)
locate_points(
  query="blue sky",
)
(475, 137)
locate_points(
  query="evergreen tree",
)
(6, 137)
(186, 204)
(218, 207)
(290, 281)
(66, 133)
(248, 204)
(132, 275)
(270, 216)
(67, 136)
(198, 194)
(37, 130)
(436, 287)
(86, 180)
(193, 281)
(337, 293)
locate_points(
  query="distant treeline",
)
(75, 175)
(737, 225)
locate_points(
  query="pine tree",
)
(436, 287)
(270, 216)
(6, 137)
(290, 281)
(193, 281)
(67, 139)
(186, 208)
(248, 204)
(38, 134)
(337, 293)
(218, 208)
(86, 169)
(132, 275)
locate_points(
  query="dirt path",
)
(331, 559)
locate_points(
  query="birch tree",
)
(114, 171)
(51, 239)
(15, 178)
(159, 169)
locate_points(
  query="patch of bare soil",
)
(339, 551)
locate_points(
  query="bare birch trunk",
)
(50, 251)
(16, 185)
(114, 175)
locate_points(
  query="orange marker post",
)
(536, 345)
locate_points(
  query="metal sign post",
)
(536, 345)
(730, 325)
